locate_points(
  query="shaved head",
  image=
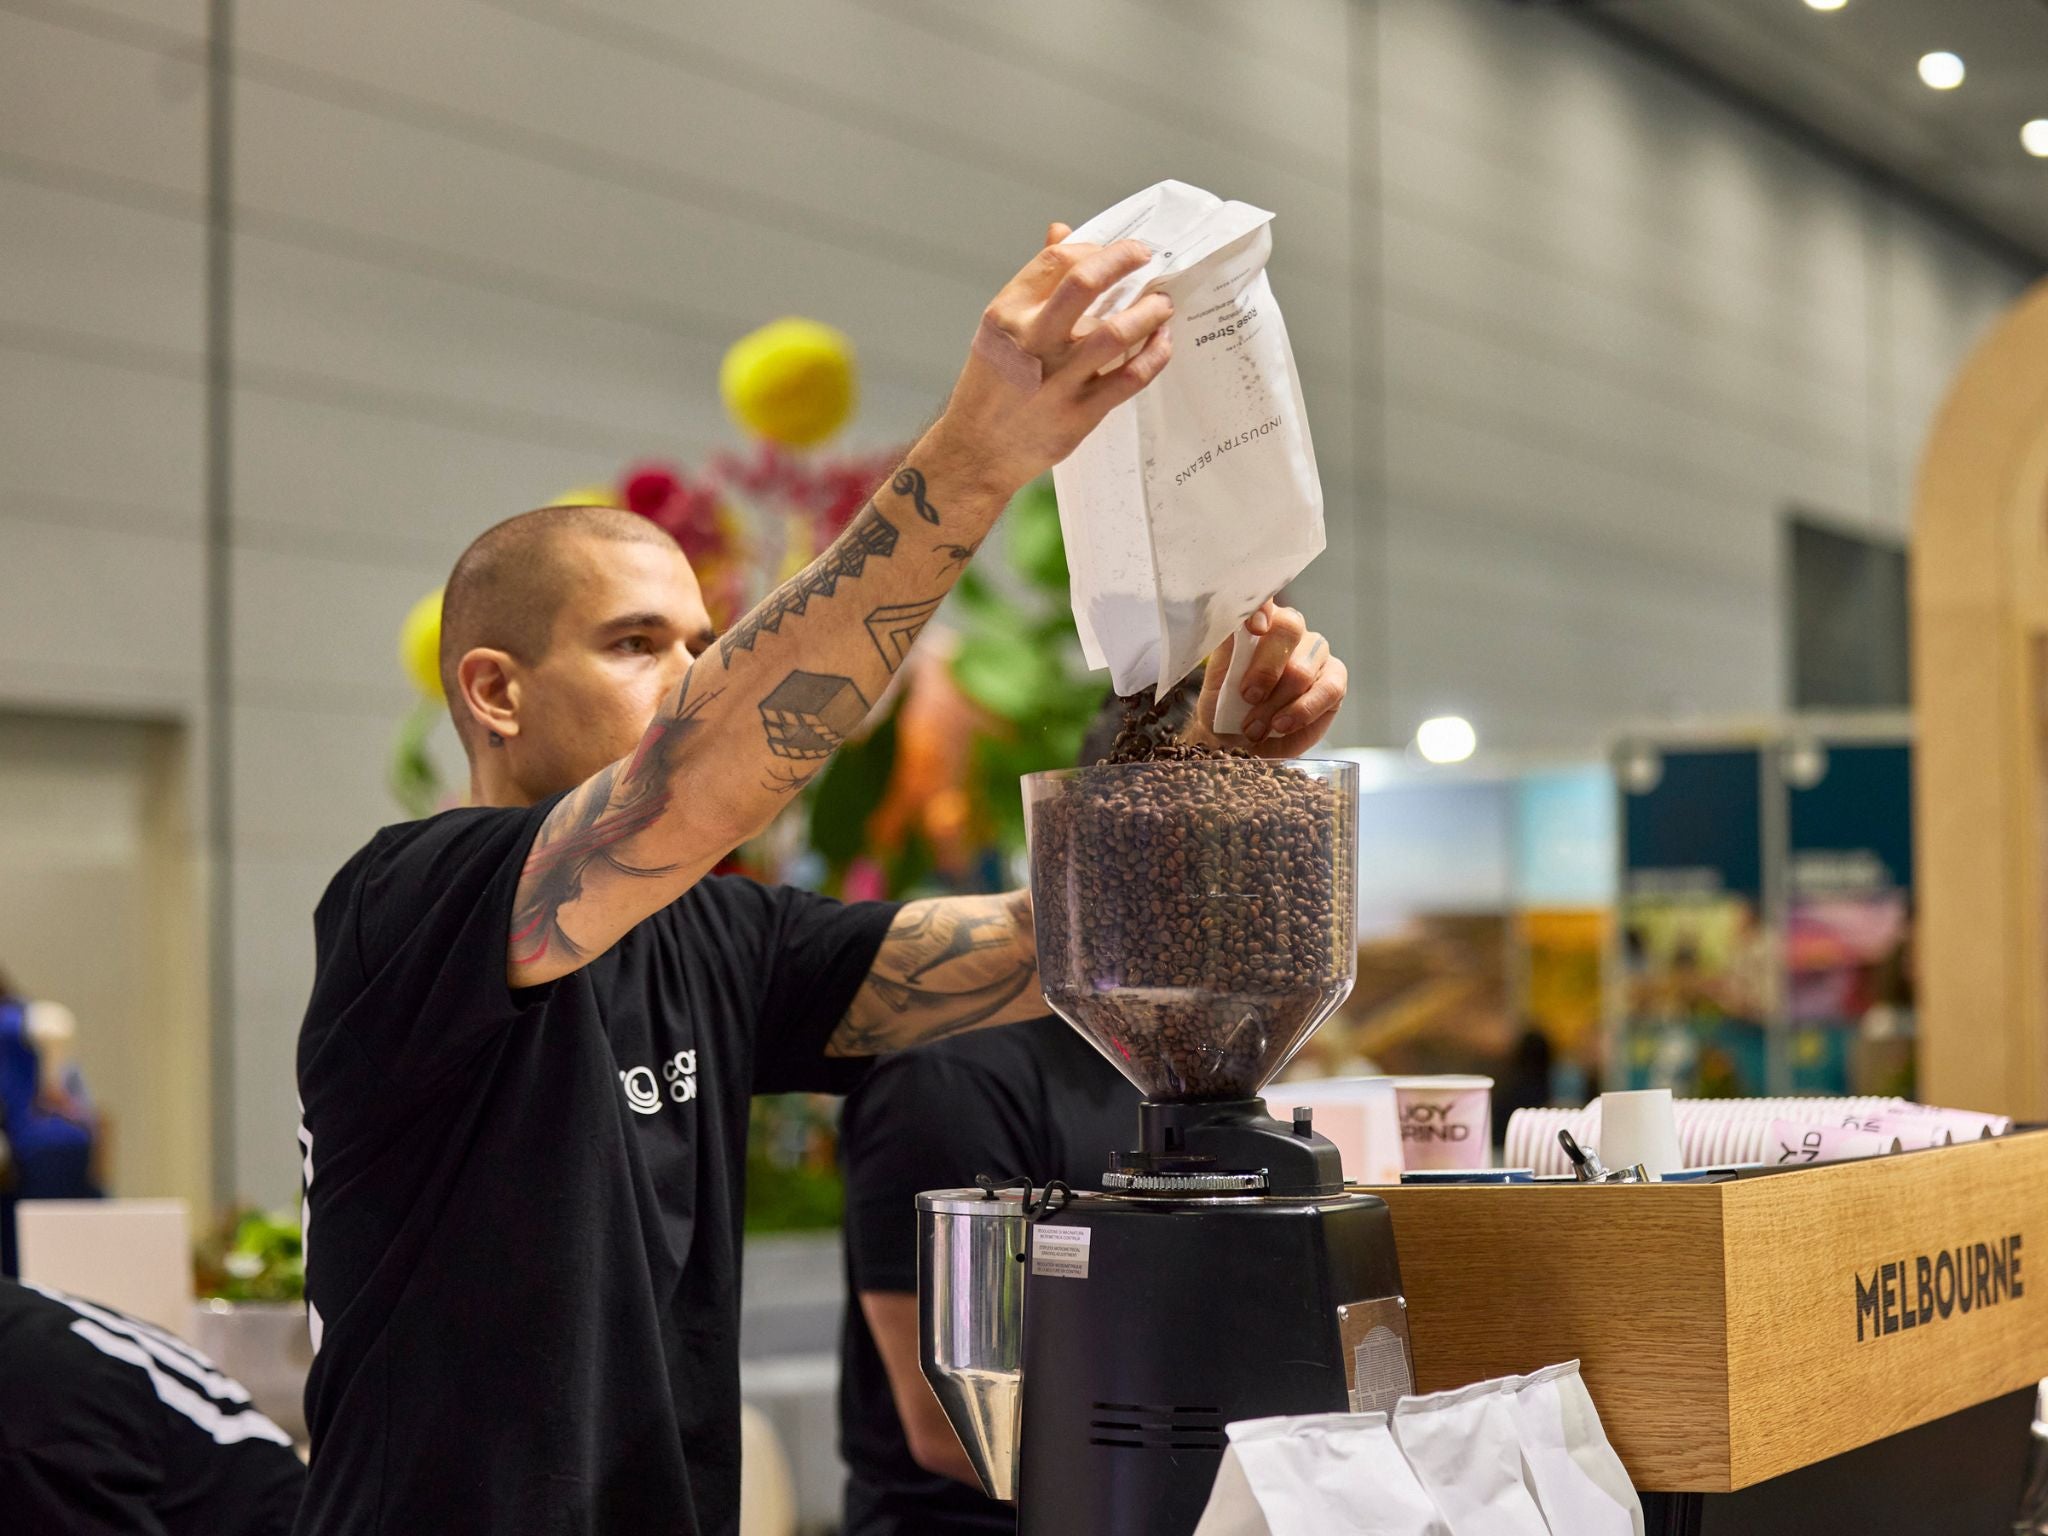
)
(509, 589)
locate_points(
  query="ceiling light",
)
(1825, 5)
(1942, 71)
(1446, 739)
(2035, 137)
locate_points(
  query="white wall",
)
(1573, 334)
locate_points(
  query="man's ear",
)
(489, 681)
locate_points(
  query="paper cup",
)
(1446, 1122)
(1640, 1127)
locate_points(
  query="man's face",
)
(632, 620)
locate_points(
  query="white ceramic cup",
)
(1446, 1121)
(1640, 1126)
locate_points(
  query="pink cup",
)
(1446, 1122)
(1794, 1144)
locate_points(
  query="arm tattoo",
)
(910, 482)
(786, 781)
(958, 554)
(868, 536)
(583, 832)
(894, 627)
(947, 965)
(808, 714)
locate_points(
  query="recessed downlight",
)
(1941, 71)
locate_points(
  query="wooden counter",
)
(1738, 1331)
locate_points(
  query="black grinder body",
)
(1184, 1315)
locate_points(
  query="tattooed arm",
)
(947, 965)
(754, 719)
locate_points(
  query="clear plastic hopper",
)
(1196, 920)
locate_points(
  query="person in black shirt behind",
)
(535, 1022)
(1035, 1100)
(111, 1427)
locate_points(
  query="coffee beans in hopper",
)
(1194, 912)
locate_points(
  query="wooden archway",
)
(1980, 709)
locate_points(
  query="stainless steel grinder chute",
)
(970, 1288)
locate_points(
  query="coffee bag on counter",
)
(1579, 1482)
(1466, 1449)
(1324, 1474)
(1198, 499)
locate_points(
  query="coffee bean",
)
(1194, 909)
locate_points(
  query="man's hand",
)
(1041, 373)
(1294, 685)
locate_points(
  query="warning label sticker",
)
(1060, 1253)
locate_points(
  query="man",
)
(111, 1427)
(535, 1024)
(1035, 1100)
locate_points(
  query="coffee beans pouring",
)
(1194, 908)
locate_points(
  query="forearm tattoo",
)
(910, 482)
(808, 714)
(870, 536)
(947, 965)
(895, 626)
(583, 832)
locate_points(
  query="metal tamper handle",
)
(1590, 1170)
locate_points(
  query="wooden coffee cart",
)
(1787, 1352)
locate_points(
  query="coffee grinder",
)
(1196, 922)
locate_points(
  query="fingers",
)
(1285, 630)
(1089, 274)
(1106, 342)
(1300, 725)
(1112, 389)
(1055, 232)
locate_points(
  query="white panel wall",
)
(1573, 334)
(1625, 329)
(101, 349)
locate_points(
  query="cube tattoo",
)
(810, 714)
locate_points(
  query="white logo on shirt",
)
(643, 1093)
(681, 1072)
(641, 1090)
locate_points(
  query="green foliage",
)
(253, 1256)
(415, 781)
(792, 1168)
(847, 793)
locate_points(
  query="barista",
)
(536, 1022)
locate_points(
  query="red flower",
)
(649, 488)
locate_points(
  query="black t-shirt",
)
(111, 1427)
(523, 1208)
(1034, 1099)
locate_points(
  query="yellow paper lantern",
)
(419, 645)
(791, 381)
(588, 496)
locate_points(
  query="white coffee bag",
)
(1579, 1481)
(1325, 1474)
(1466, 1451)
(1197, 500)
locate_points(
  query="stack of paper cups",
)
(1712, 1133)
